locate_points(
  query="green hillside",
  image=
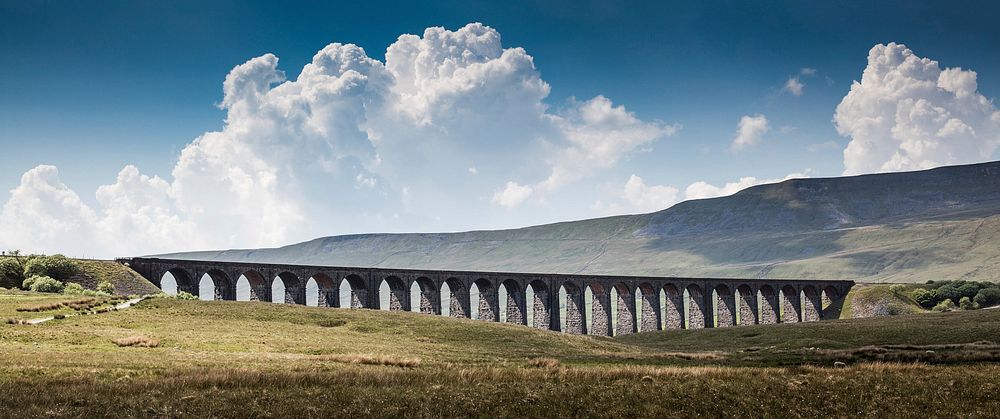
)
(935, 224)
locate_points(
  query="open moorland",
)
(166, 357)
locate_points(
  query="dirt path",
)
(119, 306)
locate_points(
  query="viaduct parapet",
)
(664, 302)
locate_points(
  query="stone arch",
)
(257, 288)
(327, 291)
(430, 299)
(458, 299)
(183, 280)
(790, 305)
(748, 305)
(625, 309)
(398, 295)
(294, 289)
(489, 304)
(650, 308)
(220, 289)
(358, 295)
(769, 308)
(515, 310)
(673, 307)
(811, 304)
(575, 320)
(600, 311)
(696, 310)
(541, 314)
(725, 306)
(831, 302)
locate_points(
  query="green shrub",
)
(56, 266)
(945, 305)
(966, 304)
(73, 288)
(11, 273)
(926, 298)
(39, 283)
(106, 287)
(183, 295)
(988, 297)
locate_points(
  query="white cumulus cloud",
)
(794, 86)
(512, 195)
(348, 144)
(648, 198)
(749, 131)
(907, 113)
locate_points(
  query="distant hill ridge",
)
(941, 223)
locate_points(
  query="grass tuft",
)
(138, 341)
(544, 363)
(332, 322)
(372, 360)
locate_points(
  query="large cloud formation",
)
(328, 151)
(907, 113)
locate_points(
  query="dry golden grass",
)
(43, 307)
(139, 341)
(544, 363)
(371, 360)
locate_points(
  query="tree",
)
(969, 289)
(950, 291)
(926, 298)
(988, 297)
(11, 273)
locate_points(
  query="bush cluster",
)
(970, 295)
(106, 287)
(41, 283)
(15, 269)
(56, 266)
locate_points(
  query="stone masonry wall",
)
(748, 306)
(601, 311)
(673, 313)
(459, 303)
(540, 312)
(769, 306)
(726, 308)
(488, 309)
(574, 312)
(789, 306)
(650, 311)
(810, 305)
(515, 309)
(696, 308)
(625, 324)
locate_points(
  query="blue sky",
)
(91, 89)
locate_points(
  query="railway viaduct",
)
(665, 302)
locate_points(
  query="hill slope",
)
(941, 223)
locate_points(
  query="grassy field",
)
(259, 359)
